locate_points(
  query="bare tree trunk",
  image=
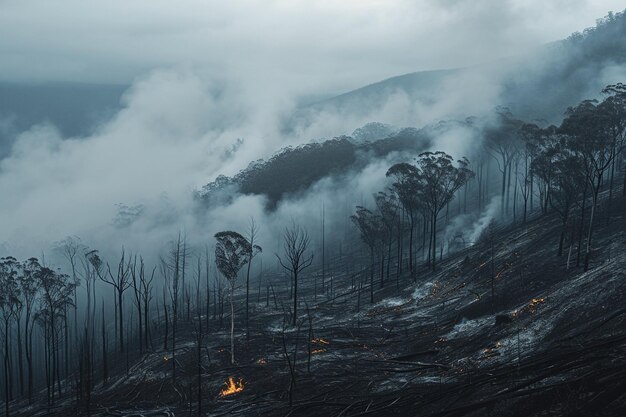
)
(372, 275)
(208, 288)
(29, 356)
(503, 191)
(581, 225)
(105, 367)
(121, 319)
(562, 238)
(411, 226)
(20, 356)
(323, 246)
(608, 204)
(199, 363)
(248, 299)
(166, 327)
(232, 322)
(434, 260)
(7, 385)
(295, 296)
(594, 203)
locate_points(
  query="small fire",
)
(232, 387)
(316, 351)
(531, 308)
(534, 304)
(320, 341)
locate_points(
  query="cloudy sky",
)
(305, 45)
(202, 75)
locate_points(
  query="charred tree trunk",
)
(581, 226)
(594, 203)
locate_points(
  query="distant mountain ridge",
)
(560, 73)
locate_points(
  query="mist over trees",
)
(56, 327)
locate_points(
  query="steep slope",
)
(503, 327)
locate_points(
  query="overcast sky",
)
(207, 73)
(306, 46)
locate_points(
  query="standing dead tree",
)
(171, 270)
(593, 140)
(142, 288)
(253, 250)
(71, 247)
(56, 294)
(9, 304)
(502, 145)
(121, 282)
(370, 225)
(232, 252)
(295, 243)
(387, 205)
(568, 181)
(29, 288)
(407, 187)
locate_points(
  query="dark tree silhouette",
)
(121, 282)
(232, 252)
(387, 205)
(253, 250)
(9, 304)
(56, 294)
(565, 188)
(371, 227)
(407, 187)
(295, 243)
(29, 288)
(592, 140)
(439, 180)
(503, 145)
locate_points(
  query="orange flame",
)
(232, 387)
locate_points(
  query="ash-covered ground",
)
(503, 328)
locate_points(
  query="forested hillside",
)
(471, 266)
(464, 282)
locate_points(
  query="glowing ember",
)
(534, 303)
(232, 387)
(316, 351)
(530, 308)
(435, 288)
(320, 341)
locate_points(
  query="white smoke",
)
(483, 221)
